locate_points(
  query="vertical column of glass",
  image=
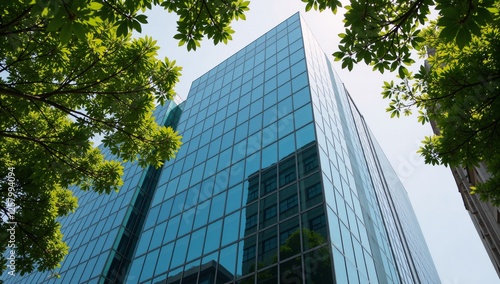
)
(119, 259)
(415, 247)
(360, 244)
(389, 220)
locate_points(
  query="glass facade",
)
(278, 181)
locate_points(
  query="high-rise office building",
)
(279, 180)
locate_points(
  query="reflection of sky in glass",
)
(276, 173)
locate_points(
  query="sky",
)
(454, 243)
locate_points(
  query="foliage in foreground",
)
(459, 88)
(70, 71)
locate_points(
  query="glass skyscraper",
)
(279, 180)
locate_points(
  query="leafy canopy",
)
(459, 94)
(69, 72)
(457, 91)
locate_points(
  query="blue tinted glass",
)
(208, 261)
(298, 68)
(256, 107)
(311, 191)
(228, 258)
(255, 124)
(197, 174)
(230, 123)
(202, 212)
(217, 208)
(256, 93)
(148, 270)
(230, 233)
(269, 246)
(234, 198)
(284, 76)
(252, 164)
(218, 129)
(271, 60)
(212, 239)
(294, 35)
(227, 140)
(303, 116)
(268, 211)
(202, 154)
(259, 57)
(269, 134)
(241, 131)
(314, 228)
(184, 181)
(144, 242)
(186, 221)
(269, 155)
(244, 100)
(285, 91)
(178, 203)
(270, 72)
(152, 215)
(246, 87)
(157, 238)
(287, 171)
(299, 82)
(286, 146)
(347, 243)
(283, 66)
(258, 79)
(163, 261)
(319, 258)
(224, 159)
(288, 204)
(247, 77)
(232, 108)
(297, 55)
(239, 151)
(196, 244)
(254, 143)
(282, 45)
(210, 166)
(305, 136)
(248, 256)
(352, 272)
(236, 175)
(243, 115)
(165, 210)
(270, 85)
(214, 147)
(136, 268)
(269, 181)
(180, 250)
(285, 126)
(205, 137)
(173, 225)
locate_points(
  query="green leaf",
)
(448, 33)
(402, 72)
(463, 37)
(66, 33)
(122, 29)
(95, 6)
(79, 30)
(137, 25)
(55, 24)
(142, 19)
